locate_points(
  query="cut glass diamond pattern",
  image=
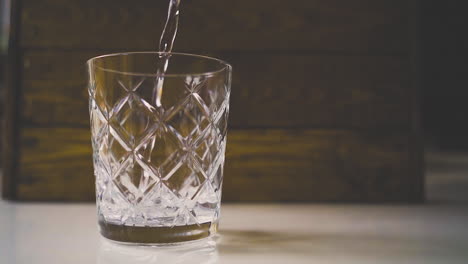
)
(116, 154)
(214, 97)
(133, 180)
(158, 166)
(185, 181)
(189, 119)
(159, 149)
(133, 120)
(100, 98)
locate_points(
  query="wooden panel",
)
(311, 91)
(9, 150)
(444, 76)
(364, 26)
(2, 103)
(55, 164)
(261, 165)
(324, 100)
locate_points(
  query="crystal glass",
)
(158, 169)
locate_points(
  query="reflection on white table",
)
(203, 252)
(67, 233)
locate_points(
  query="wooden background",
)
(324, 103)
(444, 73)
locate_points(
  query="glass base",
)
(156, 236)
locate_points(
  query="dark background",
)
(444, 72)
(355, 52)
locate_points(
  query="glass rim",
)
(225, 65)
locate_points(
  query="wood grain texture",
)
(363, 26)
(416, 135)
(10, 139)
(324, 103)
(56, 164)
(261, 165)
(314, 91)
(2, 103)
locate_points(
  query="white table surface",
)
(67, 233)
(436, 232)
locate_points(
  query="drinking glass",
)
(158, 168)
